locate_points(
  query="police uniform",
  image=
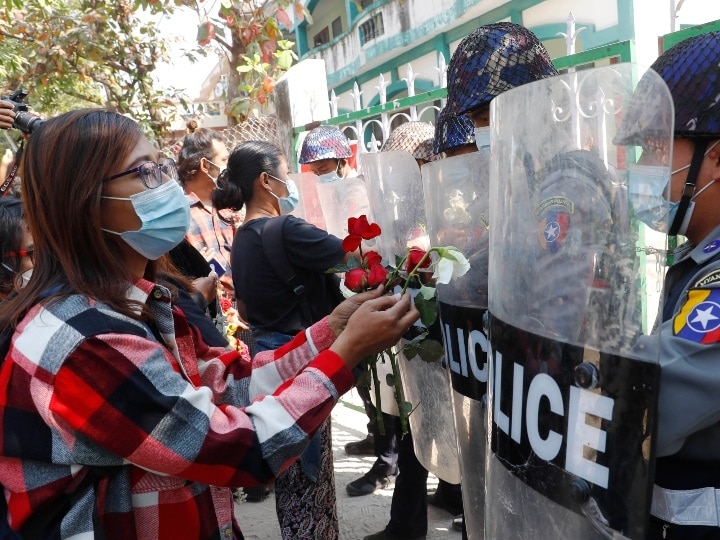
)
(686, 496)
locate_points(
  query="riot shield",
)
(572, 407)
(396, 197)
(340, 200)
(309, 207)
(456, 201)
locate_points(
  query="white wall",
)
(602, 14)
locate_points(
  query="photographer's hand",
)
(7, 114)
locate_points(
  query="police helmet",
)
(452, 131)
(325, 142)
(492, 59)
(412, 137)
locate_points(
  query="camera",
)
(24, 120)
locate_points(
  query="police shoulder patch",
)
(699, 318)
(553, 215)
(711, 279)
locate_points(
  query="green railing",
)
(618, 52)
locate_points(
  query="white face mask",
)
(482, 138)
(221, 169)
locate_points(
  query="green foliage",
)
(80, 53)
(249, 33)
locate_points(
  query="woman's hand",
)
(341, 314)
(374, 325)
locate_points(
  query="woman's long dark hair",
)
(64, 164)
(246, 162)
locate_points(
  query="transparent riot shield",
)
(572, 399)
(309, 207)
(340, 200)
(456, 201)
(396, 197)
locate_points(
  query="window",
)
(322, 37)
(371, 28)
(337, 27)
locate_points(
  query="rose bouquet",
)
(418, 270)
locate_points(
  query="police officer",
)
(687, 483)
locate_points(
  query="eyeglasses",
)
(21, 253)
(151, 173)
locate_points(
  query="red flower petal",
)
(373, 230)
(414, 257)
(371, 258)
(377, 276)
(351, 243)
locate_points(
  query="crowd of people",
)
(127, 408)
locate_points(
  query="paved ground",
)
(359, 516)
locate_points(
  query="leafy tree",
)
(71, 53)
(248, 32)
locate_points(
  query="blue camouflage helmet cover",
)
(325, 142)
(691, 69)
(491, 60)
(452, 131)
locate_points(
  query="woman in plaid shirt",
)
(115, 417)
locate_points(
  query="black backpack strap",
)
(272, 242)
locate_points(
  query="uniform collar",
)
(708, 249)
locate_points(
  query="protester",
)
(686, 475)
(16, 247)
(280, 281)
(202, 158)
(118, 420)
(326, 151)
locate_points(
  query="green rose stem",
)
(399, 393)
(397, 382)
(376, 384)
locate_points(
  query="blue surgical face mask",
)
(331, 176)
(646, 188)
(165, 217)
(482, 138)
(289, 203)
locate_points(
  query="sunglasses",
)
(21, 253)
(151, 173)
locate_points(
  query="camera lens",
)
(26, 122)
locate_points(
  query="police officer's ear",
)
(714, 156)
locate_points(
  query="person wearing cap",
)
(326, 151)
(687, 473)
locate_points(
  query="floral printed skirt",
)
(306, 510)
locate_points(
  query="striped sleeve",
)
(172, 428)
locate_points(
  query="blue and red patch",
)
(552, 230)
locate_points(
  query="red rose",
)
(378, 276)
(371, 258)
(225, 304)
(359, 230)
(356, 279)
(414, 258)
